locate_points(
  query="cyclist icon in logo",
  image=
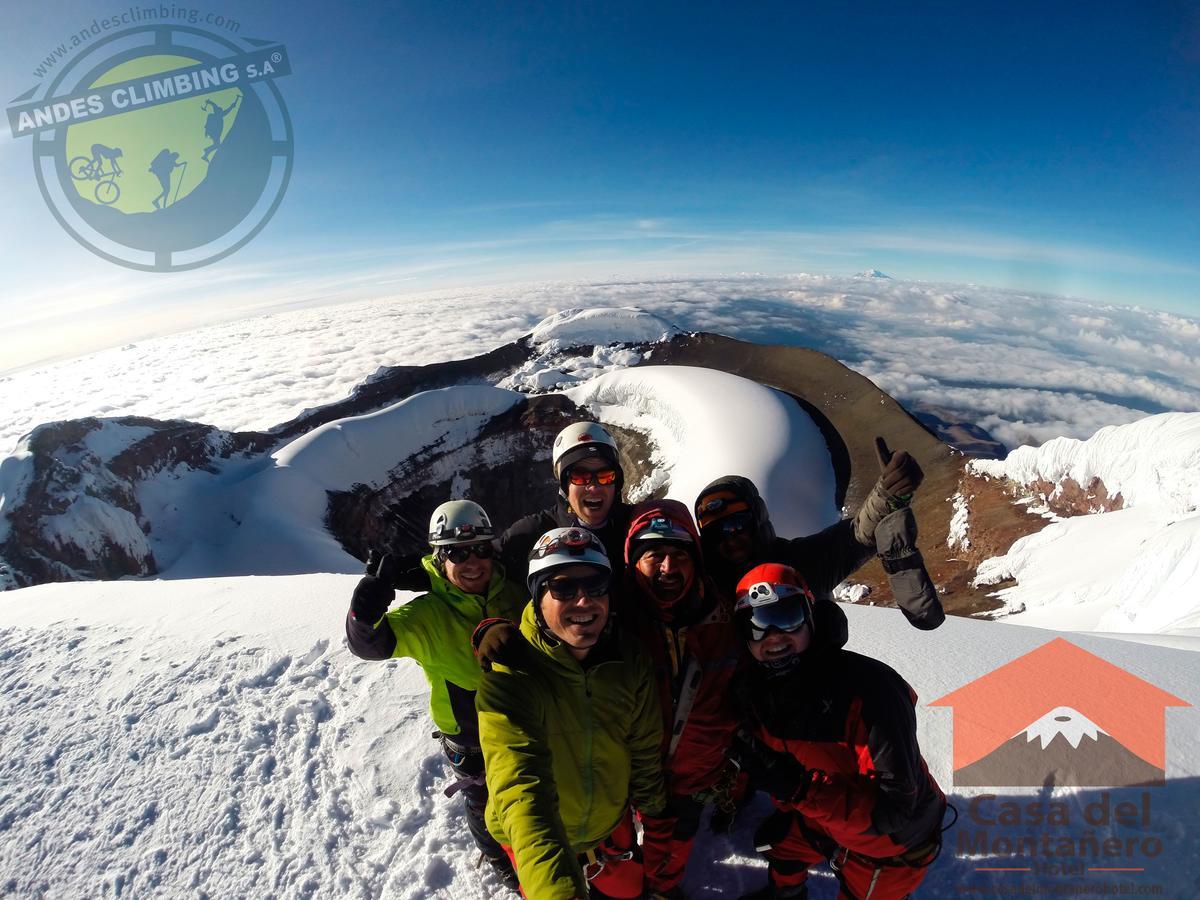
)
(85, 169)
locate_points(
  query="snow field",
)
(154, 761)
(1155, 461)
(214, 737)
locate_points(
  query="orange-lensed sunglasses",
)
(602, 477)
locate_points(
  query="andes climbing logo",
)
(162, 147)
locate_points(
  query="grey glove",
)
(912, 588)
(899, 478)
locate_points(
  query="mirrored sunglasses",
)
(716, 508)
(603, 477)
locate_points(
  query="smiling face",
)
(471, 575)
(669, 569)
(578, 622)
(591, 502)
(778, 646)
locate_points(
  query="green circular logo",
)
(163, 147)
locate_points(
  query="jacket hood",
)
(692, 604)
(672, 510)
(745, 489)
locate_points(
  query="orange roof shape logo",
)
(1062, 715)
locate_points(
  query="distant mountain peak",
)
(872, 273)
(1073, 725)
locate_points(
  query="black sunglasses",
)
(458, 555)
(563, 589)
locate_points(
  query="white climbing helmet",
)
(583, 440)
(564, 547)
(459, 522)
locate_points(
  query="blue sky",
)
(1042, 147)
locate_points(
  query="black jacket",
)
(519, 539)
(853, 719)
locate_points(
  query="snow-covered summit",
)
(872, 273)
(1133, 569)
(706, 424)
(586, 327)
(1154, 461)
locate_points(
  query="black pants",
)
(467, 765)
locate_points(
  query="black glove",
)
(374, 592)
(900, 476)
(779, 774)
(500, 641)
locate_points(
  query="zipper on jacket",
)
(676, 641)
(590, 738)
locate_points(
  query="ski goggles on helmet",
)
(459, 554)
(564, 588)
(719, 506)
(769, 607)
(602, 477)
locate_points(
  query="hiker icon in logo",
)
(163, 167)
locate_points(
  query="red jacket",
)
(696, 652)
(850, 720)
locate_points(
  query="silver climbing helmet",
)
(459, 522)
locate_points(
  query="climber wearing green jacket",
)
(571, 732)
(466, 586)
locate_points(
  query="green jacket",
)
(566, 751)
(435, 629)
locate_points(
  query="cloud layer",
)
(1026, 367)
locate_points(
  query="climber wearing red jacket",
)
(834, 742)
(686, 626)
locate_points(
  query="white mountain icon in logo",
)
(1073, 725)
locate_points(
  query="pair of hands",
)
(779, 774)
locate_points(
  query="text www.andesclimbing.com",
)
(134, 15)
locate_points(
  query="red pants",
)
(667, 841)
(790, 858)
(618, 878)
